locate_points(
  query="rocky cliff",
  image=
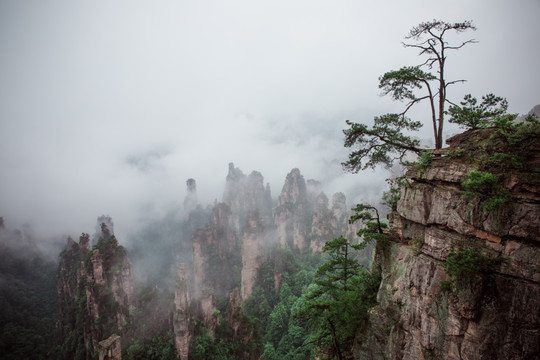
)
(461, 269)
(227, 252)
(215, 256)
(95, 287)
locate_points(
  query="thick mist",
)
(108, 108)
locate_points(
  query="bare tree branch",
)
(412, 103)
(455, 82)
(471, 41)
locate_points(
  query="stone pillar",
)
(110, 349)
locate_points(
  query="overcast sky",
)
(108, 107)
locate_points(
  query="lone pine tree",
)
(385, 141)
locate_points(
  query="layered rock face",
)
(488, 313)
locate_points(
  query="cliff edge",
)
(461, 269)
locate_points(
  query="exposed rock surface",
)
(215, 255)
(182, 323)
(323, 225)
(110, 349)
(253, 238)
(291, 212)
(492, 314)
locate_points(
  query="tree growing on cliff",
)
(474, 115)
(385, 142)
(490, 112)
(373, 228)
(337, 304)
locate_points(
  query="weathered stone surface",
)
(438, 243)
(489, 314)
(181, 317)
(414, 203)
(430, 204)
(208, 307)
(110, 348)
(441, 170)
(253, 235)
(521, 260)
(234, 313)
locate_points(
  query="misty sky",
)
(108, 107)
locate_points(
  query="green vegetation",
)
(424, 159)
(416, 245)
(486, 114)
(484, 185)
(383, 143)
(373, 228)
(462, 262)
(503, 148)
(204, 346)
(73, 317)
(268, 329)
(517, 133)
(224, 345)
(507, 143)
(28, 306)
(479, 181)
(160, 346)
(446, 285)
(391, 197)
(336, 304)
(281, 334)
(322, 300)
(467, 260)
(148, 334)
(513, 140)
(75, 321)
(491, 113)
